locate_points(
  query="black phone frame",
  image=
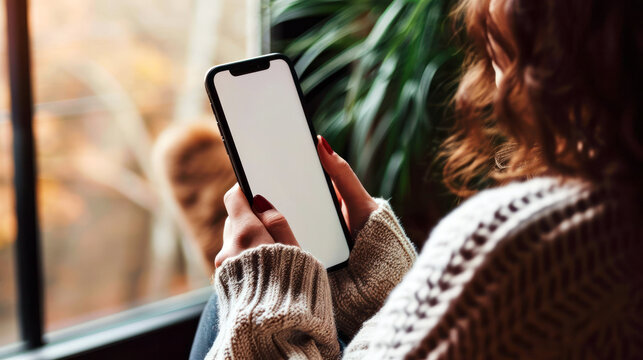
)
(245, 67)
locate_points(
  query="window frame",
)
(129, 332)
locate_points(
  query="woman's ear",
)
(498, 72)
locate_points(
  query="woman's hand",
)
(247, 227)
(357, 205)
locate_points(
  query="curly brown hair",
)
(569, 101)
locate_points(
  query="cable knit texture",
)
(543, 269)
(381, 256)
(274, 301)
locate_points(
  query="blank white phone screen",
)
(279, 157)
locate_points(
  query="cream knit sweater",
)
(541, 269)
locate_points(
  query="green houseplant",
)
(378, 75)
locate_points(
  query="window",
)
(107, 77)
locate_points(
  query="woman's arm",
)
(274, 302)
(382, 255)
(273, 298)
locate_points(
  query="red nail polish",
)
(260, 204)
(326, 145)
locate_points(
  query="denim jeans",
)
(209, 328)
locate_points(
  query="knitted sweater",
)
(540, 269)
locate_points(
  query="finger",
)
(235, 202)
(345, 213)
(244, 230)
(342, 205)
(274, 221)
(357, 203)
(337, 193)
(345, 180)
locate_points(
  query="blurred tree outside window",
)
(108, 77)
(8, 320)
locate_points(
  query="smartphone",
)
(271, 144)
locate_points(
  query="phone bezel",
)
(248, 66)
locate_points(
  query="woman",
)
(545, 265)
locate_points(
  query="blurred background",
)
(110, 75)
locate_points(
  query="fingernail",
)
(260, 204)
(326, 145)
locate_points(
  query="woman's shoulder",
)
(479, 259)
(539, 193)
(503, 209)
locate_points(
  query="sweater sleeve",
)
(382, 255)
(274, 302)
